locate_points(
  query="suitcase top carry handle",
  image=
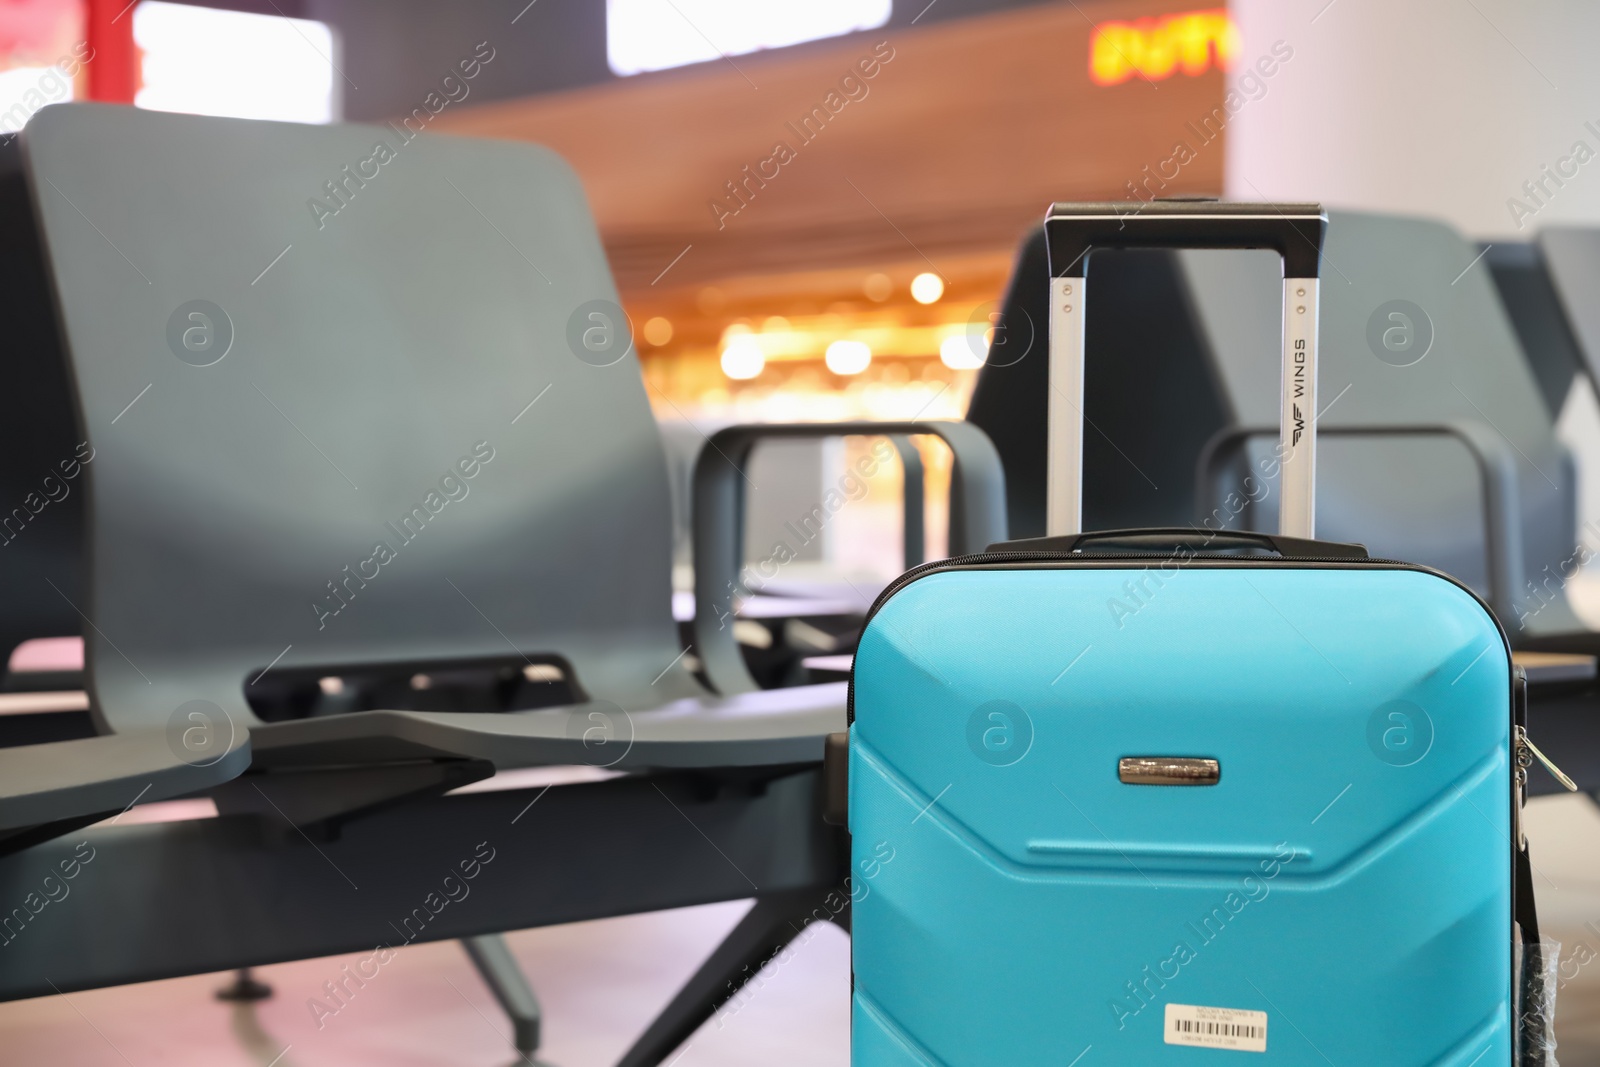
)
(1167, 542)
(1294, 231)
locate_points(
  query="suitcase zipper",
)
(1526, 753)
(1525, 746)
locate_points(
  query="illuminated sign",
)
(1153, 48)
(643, 35)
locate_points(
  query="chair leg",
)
(245, 988)
(504, 977)
(765, 931)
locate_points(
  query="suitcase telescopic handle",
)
(1294, 231)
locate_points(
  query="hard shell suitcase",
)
(1185, 796)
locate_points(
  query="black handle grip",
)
(1294, 231)
(1171, 541)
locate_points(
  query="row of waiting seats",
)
(370, 546)
(363, 516)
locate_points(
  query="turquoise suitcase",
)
(1183, 797)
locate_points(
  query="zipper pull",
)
(1525, 744)
(1522, 800)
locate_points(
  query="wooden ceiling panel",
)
(967, 130)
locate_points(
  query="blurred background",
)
(812, 211)
(807, 219)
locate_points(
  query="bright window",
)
(209, 62)
(646, 35)
(24, 90)
(42, 55)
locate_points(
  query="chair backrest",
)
(357, 396)
(41, 450)
(1151, 397)
(1523, 279)
(1572, 256)
(1416, 409)
(1189, 343)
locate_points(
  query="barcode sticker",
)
(1235, 1028)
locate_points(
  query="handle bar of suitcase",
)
(1294, 231)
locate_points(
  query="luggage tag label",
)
(1228, 1028)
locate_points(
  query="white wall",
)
(1441, 107)
(1433, 107)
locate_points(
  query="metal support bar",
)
(245, 988)
(503, 975)
(237, 891)
(913, 538)
(766, 930)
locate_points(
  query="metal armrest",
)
(1496, 465)
(913, 549)
(977, 518)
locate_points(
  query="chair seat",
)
(763, 728)
(64, 780)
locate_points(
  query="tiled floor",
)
(601, 982)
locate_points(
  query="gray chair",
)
(786, 619)
(1197, 384)
(1451, 461)
(1539, 316)
(1546, 287)
(369, 427)
(1571, 260)
(60, 773)
(1438, 450)
(1444, 454)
